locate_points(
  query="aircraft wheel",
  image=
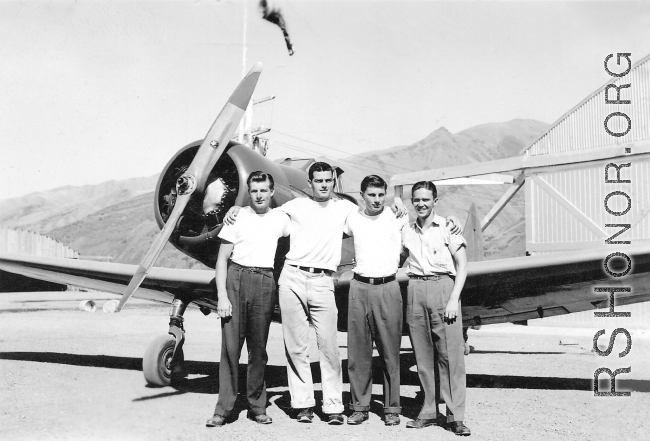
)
(156, 364)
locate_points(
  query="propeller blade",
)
(195, 176)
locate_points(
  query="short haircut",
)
(427, 185)
(260, 176)
(320, 167)
(373, 181)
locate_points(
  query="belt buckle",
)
(371, 281)
(311, 270)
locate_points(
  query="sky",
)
(92, 91)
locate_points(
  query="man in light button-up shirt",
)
(437, 270)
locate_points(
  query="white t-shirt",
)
(377, 242)
(317, 231)
(256, 236)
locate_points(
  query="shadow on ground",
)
(208, 374)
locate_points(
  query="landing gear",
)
(157, 362)
(163, 360)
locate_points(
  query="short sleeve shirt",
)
(430, 250)
(377, 242)
(256, 237)
(317, 231)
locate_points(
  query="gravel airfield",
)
(72, 375)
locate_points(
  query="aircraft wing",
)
(523, 288)
(496, 291)
(161, 284)
(553, 284)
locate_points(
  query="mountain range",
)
(114, 220)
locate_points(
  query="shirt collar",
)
(435, 220)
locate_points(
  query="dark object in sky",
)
(275, 17)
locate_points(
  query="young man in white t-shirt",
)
(306, 291)
(375, 302)
(246, 289)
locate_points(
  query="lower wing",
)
(161, 284)
(523, 288)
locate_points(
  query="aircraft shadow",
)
(276, 376)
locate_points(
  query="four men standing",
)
(306, 295)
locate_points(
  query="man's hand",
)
(453, 224)
(399, 209)
(231, 216)
(224, 307)
(451, 312)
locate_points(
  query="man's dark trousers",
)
(425, 309)
(251, 292)
(374, 312)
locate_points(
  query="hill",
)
(112, 220)
(124, 232)
(115, 219)
(47, 210)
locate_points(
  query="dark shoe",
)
(357, 417)
(305, 415)
(390, 419)
(421, 423)
(459, 428)
(261, 418)
(335, 419)
(216, 421)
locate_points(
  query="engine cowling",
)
(196, 232)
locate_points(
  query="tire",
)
(156, 362)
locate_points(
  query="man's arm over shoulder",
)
(399, 209)
(348, 229)
(404, 254)
(454, 225)
(402, 222)
(290, 206)
(284, 221)
(231, 216)
(349, 205)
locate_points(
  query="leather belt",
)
(255, 269)
(374, 280)
(312, 270)
(429, 277)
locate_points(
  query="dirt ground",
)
(72, 375)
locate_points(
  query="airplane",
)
(496, 291)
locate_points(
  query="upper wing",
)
(522, 288)
(161, 284)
